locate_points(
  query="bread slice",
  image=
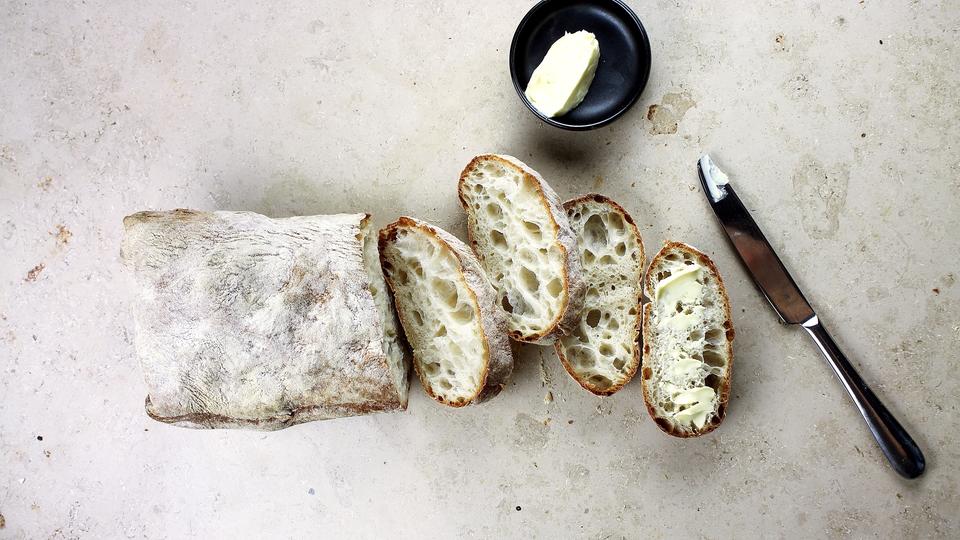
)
(449, 312)
(603, 351)
(687, 342)
(520, 233)
(243, 321)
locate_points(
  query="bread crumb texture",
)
(439, 314)
(687, 365)
(602, 351)
(517, 243)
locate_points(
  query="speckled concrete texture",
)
(838, 122)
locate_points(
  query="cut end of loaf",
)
(392, 345)
(602, 352)
(524, 243)
(688, 353)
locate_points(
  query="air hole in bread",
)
(464, 314)
(594, 232)
(695, 335)
(688, 262)
(664, 424)
(533, 229)
(612, 324)
(662, 275)
(619, 363)
(616, 223)
(418, 318)
(713, 358)
(588, 257)
(593, 318)
(672, 257)
(529, 279)
(402, 277)
(605, 349)
(498, 239)
(555, 287)
(592, 293)
(442, 331)
(445, 290)
(431, 369)
(494, 211)
(601, 382)
(607, 259)
(713, 382)
(620, 249)
(714, 335)
(417, 268)
(505, 304)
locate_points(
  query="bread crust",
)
(665, 424)
(498, 356)
(586, 384)
(569, 312)
(295, 290)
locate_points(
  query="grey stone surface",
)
(845, 149)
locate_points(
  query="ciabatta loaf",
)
(243, 321)
(602, 353)
(520, 233)
(449, 312)
(687, 342)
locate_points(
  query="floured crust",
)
(244, 321)
(498, 356)
(665, 424)
(572, 274)
(585, 382)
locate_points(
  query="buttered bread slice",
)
(687, 342)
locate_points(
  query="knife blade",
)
(779, 288)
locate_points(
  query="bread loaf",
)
(243, 321)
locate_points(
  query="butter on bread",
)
(687, 342)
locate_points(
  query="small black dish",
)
(624, 56)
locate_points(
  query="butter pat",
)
(682, 286)
(562, 79)
(701, 405)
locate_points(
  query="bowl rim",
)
(644, 77)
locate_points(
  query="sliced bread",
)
(520, 233)
(687, 342)
(603, 352)
(449, 312)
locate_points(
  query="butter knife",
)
(773, 280)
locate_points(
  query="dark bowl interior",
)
(624, 56)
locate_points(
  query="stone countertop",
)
(839, 125)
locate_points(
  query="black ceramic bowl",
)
(624, 56)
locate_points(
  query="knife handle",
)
(903, 454)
